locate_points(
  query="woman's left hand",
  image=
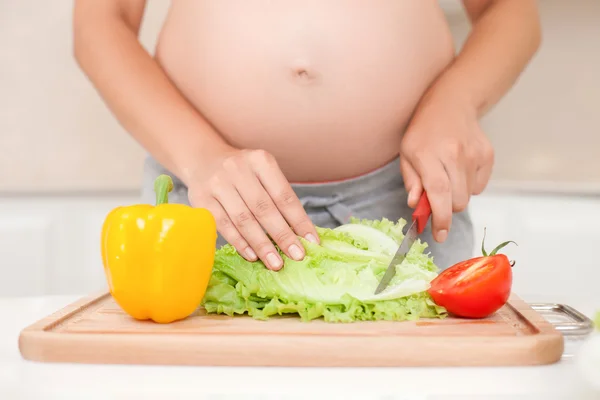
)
(445, 152)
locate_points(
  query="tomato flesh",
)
(474, 288)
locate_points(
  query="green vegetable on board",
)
(335, 281)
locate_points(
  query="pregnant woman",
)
(278, 116)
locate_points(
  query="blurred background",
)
(65, 161)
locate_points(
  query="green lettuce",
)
(335, 281)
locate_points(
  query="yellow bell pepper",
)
(158, 259)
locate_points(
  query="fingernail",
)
(250, 254)
(412, 197)
(311, 238)
(442, 235)
(274, 261)
(295, 252)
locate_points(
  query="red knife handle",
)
(422, 212)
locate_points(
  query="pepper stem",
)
(493, 253)
(162, 186)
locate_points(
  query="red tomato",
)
(474, 288)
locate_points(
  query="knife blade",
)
(419, 220)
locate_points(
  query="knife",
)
(419, 217)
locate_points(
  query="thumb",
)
(412, 182)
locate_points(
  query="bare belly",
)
(327, 87)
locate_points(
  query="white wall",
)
(49, 111)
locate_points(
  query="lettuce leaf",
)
(335, 281)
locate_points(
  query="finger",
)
(482, 177)
(412, 182)
(277, 186)
(229, 232)
(484, 170)
(472, 169)
(264, 209)
(439, 191)
(458, 172)
(247, 225)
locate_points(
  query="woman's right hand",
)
(250, 197)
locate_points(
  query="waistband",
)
(370, 181)
(367, 182)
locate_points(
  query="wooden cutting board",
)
(95, 330)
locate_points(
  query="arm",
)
(444, 150)
(505, 36)
(136, 89)
(243, 189)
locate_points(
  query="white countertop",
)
(21, 379)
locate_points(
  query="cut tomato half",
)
(474, 288)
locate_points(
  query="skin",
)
(229, 116)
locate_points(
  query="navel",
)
(303, 74)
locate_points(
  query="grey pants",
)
(375, 195)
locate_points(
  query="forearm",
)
(142, 98)
(505, 36)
